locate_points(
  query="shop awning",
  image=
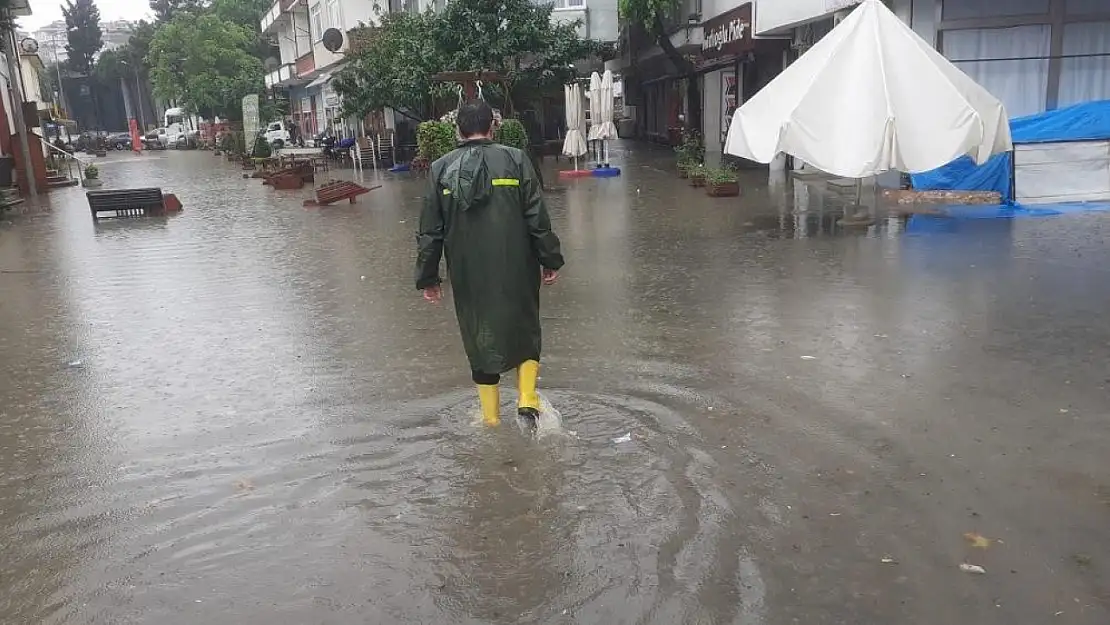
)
(320, 81)
(869, 97)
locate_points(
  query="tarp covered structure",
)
(871, 96)
(1060, 156)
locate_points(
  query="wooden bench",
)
(332, 192)
(131, 202)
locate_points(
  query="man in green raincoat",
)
(485, 210)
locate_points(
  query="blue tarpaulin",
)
(1089, 121)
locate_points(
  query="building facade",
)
(1034, 55)
(305, 65)
(730, 65)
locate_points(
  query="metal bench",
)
(130, 202)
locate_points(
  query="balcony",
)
(283, 76)
(279, 13)
(306, 66)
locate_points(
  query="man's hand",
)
(433, 294)
(550, 276)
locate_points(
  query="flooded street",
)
(246, 414)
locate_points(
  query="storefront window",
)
(1085, 78)
(1011, 63)
(967, 9)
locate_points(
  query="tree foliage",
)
(205, 63)
(84, 38)
(392, 66)
(166, 10)
(515, 38)
(653, 16)
(395, 62)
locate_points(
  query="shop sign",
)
(728, 34)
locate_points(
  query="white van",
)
(277, 135)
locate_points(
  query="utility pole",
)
(58, 69)
(17, 111)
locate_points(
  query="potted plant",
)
(696, 174)
(721, 183)
(684, 168)
(92, 176)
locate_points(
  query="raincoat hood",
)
(468, 177)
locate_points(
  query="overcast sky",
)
(45, 11)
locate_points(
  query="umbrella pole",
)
(576, 163)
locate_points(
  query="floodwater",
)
(245, 414)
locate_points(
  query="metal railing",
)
(69, 159)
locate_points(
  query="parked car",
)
(156, 139)
(120, 140)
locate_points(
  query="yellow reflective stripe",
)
(506, 182)
(447, 191)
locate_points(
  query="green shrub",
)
(692, 149)
(434, 139)
(92, 172)
(262, 148)
(512, 133)
(720, 176)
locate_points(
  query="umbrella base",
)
(606, 172)
(574, 173)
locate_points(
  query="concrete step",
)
(61, 184)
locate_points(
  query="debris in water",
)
(977, 540)
(809, 357)
(74, 363)
(888, 560)
(362, 277)
(1063, 411)
(627, 438)
(973, 568)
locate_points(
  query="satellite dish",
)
(29, 46)
(271, 63)
(333, 39)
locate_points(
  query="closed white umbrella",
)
(595, 108)
(871, 97)
(606, 130)
(574, 145)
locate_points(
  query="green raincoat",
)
(485, 209)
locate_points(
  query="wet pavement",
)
(245, 414)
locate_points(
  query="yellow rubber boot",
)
(527, 374)
(489, 395)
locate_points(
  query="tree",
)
(82, 33)
(392, 66)
(653, 16)
(515, 38)
(166, 10)
(394, 63)
(205, 63)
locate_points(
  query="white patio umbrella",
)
(871, 96)
(606, 130)
(595, 108)
(574, 145)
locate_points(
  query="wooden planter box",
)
(722, 189)
(697, 180)
(286, 182)
(683, 173)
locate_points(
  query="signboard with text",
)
(728, 34)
